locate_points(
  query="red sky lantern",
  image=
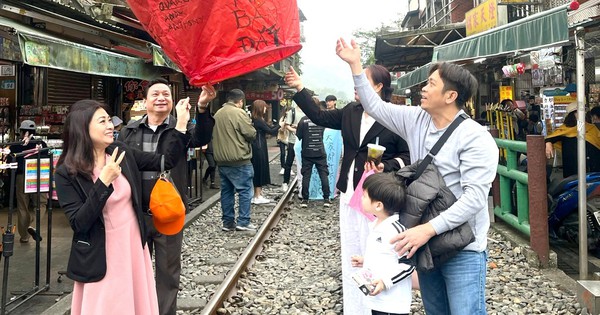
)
(214, 40)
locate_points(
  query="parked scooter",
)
(563, 210)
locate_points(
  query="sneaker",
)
(284, 187)
(326, 203)
(213, 186)
(249, 227)
(282, 171)
(34, 234)
(304, 204)
(292, 173)
(252, 201)
(228, 228)
(261, 200)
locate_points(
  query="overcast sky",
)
(326, 21)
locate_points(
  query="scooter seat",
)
(556, 187)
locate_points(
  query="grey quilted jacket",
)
(427, 197)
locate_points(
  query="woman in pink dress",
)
(98, 184)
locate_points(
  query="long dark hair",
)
(78, 149)
(379, 74)
(258, 109)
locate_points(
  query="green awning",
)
(41, 49)
(547, 28)
(60, 54)
(412, 78)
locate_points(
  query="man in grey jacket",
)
(232, 140)
(467, 163)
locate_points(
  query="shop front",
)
(55, 73)
(10, 59)
(485, 52)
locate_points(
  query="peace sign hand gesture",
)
(111, 170)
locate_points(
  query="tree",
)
(366, 38)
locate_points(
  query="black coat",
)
(83, 200)
(200, 134)
(348, 120)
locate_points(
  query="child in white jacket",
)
(386, 277)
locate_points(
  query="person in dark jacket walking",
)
(358, 130)
(147, 134)
(260, 155)
(99, 186)
(313, 153)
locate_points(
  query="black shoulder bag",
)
(426, 201)
(437, 146)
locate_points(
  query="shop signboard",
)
(133, 90)
(482, 18)
(7, 70)
(265, 95)
(565, 99)
(7, 84)
(31, 179)
(10, 50)
(506, 92)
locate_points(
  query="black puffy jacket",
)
(427, 197)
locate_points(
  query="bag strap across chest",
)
(438, 145)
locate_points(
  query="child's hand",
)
(378, 287)
(370, 166)
(356, 261)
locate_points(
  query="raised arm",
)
(326, 118)
(202, 132)
(398, 119)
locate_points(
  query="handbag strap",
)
(162, 164)
(438, 145)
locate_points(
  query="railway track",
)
(218, 266)
(228, 288)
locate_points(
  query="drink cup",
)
(374, 153)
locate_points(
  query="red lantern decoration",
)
(574, 5)
(213, 40)
(520, 68)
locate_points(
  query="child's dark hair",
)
(388, 189)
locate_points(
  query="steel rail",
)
(228, 285)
